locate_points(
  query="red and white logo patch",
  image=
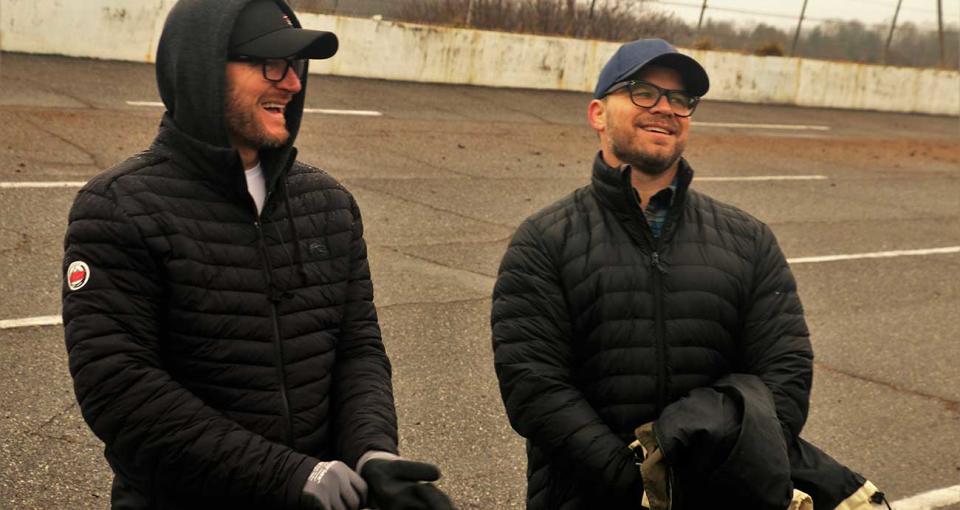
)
(78, 274)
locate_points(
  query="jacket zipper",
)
(657, 270)
(275, 297)
(660, 328)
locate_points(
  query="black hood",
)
(191, 69)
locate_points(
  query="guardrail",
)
(129, 30)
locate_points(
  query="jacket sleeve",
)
(726, 439)
(533, 349)
(158, 434)
(776, 341)
(362, 391)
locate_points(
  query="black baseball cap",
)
(634, 56)
(264, 30)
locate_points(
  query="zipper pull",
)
(655, 262)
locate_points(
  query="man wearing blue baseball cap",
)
(648, 339)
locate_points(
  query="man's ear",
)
(596, 114)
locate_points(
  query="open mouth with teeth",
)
(274, 108)
(657, 129)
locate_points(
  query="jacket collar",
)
(614, 189)
(221, 166)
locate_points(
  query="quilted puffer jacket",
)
(597, 326)
(220, 355)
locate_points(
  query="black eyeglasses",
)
(646, 95)
(275, 69)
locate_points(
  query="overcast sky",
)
(921, 12)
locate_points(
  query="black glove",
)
(401, 485)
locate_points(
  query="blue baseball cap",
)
(634, 56)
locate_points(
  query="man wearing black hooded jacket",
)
(217, 302)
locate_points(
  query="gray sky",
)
(921, 12)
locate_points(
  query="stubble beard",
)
(242, 125)
(623, 148)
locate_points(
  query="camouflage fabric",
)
(653, 470)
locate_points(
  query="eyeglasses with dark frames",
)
(275, 69)
(646, 95)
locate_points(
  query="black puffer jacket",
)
(220, 355)
(597, 326)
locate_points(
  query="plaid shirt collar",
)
(659, 206)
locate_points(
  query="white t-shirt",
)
(257, 186)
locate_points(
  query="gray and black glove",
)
(404, 484)
(334, 486)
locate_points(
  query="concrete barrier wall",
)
(105, 29)
(129, 30)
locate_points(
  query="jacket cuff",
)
(297, 482)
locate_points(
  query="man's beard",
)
(649, 164)
(646, 162)
(243, 126)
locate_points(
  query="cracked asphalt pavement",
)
(443, 178)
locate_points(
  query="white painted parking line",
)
(145, 103)
(361, 113)
(876, 255)
(55, 319)
(745, 178)
(46, 320)
(799, 127)
(764, 178)
(326, 111)
(930, 500)
(39, 184)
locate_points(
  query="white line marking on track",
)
(929, 500)
(145, 103)
(876, 255)
(747, 178)
(799, 127)
(361, 113)
(55, 319)
(764, 178)
(62, 184)
(46, 320)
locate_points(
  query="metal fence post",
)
(943, 58)
(886, 49)
(796, 35)
(702, 10)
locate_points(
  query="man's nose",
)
(291, 82)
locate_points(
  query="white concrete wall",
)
(129, 30)
(106, 29)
